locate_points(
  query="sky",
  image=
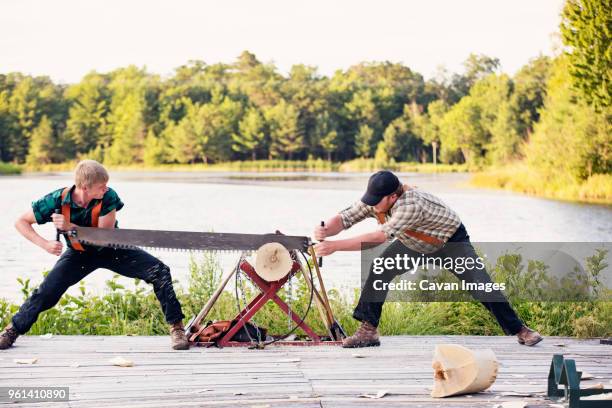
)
(65, 39)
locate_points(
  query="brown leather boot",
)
(8, 337)
(365, 336)
(178, 337)
(528, 337)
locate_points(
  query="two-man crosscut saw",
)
(185, 240)
(205, 241)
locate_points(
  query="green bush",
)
(520, 178)
(120, 311)
(7, 168)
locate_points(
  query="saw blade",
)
(185, 240)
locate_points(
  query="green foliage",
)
(364, 141)
(381, 113)
(572, 141)
(285, 136)
(398, 138)
(41, 144)
(371, 165)
(484, 126)
(461, 131)
(89, 104)
(449, 89)
(125, 129)
(155, 149)
(521, 178)
(121, 311)
(7, 168)
(24, 101)
(479, 66)
(568, 154)
(326, 134)
(204, 276)
(586, 30)
(529, 92)
(251, 134)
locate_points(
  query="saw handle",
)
(321, 258)
(57, 231)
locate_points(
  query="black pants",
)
(459, 246)
(73, 266)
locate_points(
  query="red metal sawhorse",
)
(268, 292)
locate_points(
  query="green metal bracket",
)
(563, 372)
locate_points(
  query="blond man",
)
(88, 203)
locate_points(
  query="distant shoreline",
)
(595, 190)
(357, 165)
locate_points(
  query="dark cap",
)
(380, 185)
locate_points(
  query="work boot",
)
(528, 337)
(8, 337)
(365, 336)
(178, 337)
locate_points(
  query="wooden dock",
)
(295, 377)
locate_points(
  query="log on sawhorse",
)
(268, 292)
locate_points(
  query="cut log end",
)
(459, 370)
(439, 373)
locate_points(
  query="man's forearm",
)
(356, 243)
(29, 233)
(334, 225)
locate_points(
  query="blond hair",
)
(88, 173)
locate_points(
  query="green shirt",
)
(46, 206)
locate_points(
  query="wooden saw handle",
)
(57, 231)
(321, 258)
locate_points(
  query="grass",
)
(9, 169)
(120, 311)
(519, 178)
(371, 165)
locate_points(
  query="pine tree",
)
(393, 144)
(284, 134)
(326, 134)
(154, 149)
(363, 141)
(23, 106)
(586, 29)
(41, 143)
(128, 132)
(87, 114)
(251, 134)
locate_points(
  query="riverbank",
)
(517, 178)
(9, 169)
(357, 165)
(597, 189)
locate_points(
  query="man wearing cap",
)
(417, 223)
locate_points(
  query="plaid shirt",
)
(415, 212)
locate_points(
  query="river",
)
(290, 202)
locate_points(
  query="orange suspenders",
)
(414, 234)
(95, 215)
(424, 237)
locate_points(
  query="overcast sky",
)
(66, 39)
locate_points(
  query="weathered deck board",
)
(297, 377)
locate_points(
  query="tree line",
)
(553, 113)
(247, 110)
